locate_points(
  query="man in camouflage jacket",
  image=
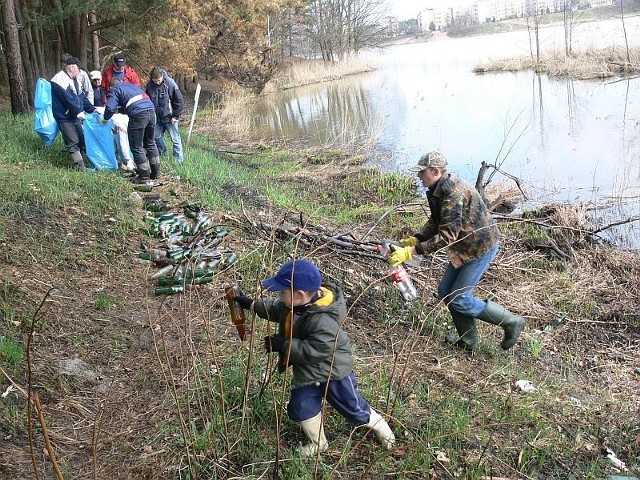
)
(461, 224)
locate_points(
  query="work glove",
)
(80, 116)
(400, 255)
(409, 242)
(244, 301)
(274, 343)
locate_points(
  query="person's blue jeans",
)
(343, 395)
(174, 133)
(457, 284)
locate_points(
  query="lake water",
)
(566, 140)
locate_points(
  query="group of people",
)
(309, 313)
(141, 117)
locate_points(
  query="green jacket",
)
(459, 222)
(316, 336)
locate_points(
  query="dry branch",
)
(313, 236)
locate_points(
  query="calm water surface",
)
(576, 141)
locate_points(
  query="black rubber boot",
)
(78, 161)
(155, 167)
(467, 337)
(143, 173)
(511, 324)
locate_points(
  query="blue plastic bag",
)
(44, 124)
(98, 140)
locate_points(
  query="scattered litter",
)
(559, 320)
(442, 457)
(576, 401)
(8, 391)
(610, 454)
(525, 386)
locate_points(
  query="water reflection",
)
(567, 140)
(337, 113)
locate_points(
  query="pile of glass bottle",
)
(187, 252)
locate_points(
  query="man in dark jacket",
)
(310, 339)
(69, 104)
(167, 99)
(461, 224)
(132, 101)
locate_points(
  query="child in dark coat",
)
(310, 340)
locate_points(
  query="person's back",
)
(128, 99)
(134, 102)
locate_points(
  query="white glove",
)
(80, 116)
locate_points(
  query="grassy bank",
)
(296, 72)
(605, 63)
(170, 392)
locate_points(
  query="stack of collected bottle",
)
(187, 252)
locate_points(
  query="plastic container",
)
(400, 277)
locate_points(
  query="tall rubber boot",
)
(381, 428)
(467, 337)
(155, 167)
(314, 431)
(511, 324)
(79, 161)
(143, 173)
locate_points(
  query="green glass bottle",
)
(201, 280)
(169, 290)
(168, 281)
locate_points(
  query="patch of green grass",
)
(11, 350)
(105, 302)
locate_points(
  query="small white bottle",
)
(400, 277)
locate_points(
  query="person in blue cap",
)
(311, 341)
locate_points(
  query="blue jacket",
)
(166, 98)
(129, 99)
(66, 102)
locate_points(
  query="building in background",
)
(464, 13)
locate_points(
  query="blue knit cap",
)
(305, 276)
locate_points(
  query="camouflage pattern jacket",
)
(459, 222)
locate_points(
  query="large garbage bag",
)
(44, 124)
(98, 140)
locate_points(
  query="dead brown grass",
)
(605, 63)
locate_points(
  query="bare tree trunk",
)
(17, 90)
(25, 52)
(38, 50)
(95, 44)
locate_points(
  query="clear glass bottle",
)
(400, 276)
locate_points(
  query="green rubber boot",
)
(467, 337)
(511, 323)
